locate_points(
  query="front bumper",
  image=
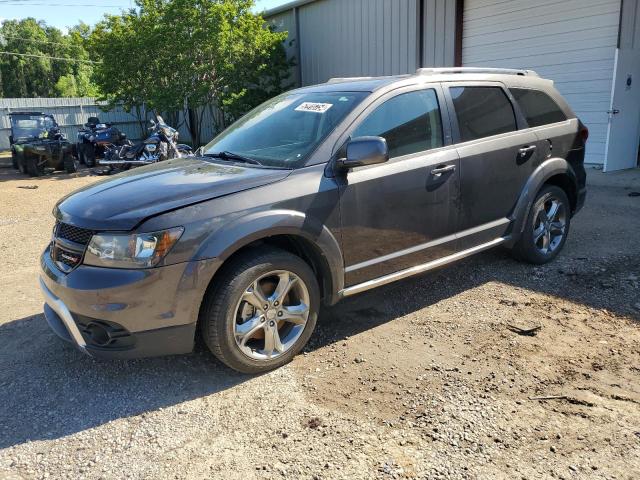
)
(118, 313)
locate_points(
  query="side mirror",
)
(363, 151)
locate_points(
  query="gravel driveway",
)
(427, 378)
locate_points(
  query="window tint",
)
(409, 123)
(537, 107)
(482, 112)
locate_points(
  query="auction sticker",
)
(313, 107)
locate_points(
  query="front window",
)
(25, 127)
(285, 130)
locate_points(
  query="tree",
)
(30, 66)
(190, 55)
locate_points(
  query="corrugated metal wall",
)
(286, 22)
(342, 38)
(572, 42)
(70, 113)
(357, 37)
(439, 33)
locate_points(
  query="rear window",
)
(537, 107)
(482, 112)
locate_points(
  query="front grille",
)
(73, 233)
(68, 245)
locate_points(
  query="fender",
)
(547, 169)
(255, 226)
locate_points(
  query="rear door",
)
(496, 158)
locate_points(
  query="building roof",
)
(285, 7)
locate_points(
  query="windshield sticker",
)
(313, 107)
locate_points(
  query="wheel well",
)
(565, 183)
(296, 245)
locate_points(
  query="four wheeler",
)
(94, 137)
(37, 145)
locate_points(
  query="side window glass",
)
(409, 122)
(482, 112)
(537, 107)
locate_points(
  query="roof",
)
(27, 113)
(511, 77)
(285, 7)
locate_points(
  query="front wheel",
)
(14, 159)
(261, 310)
(547, 227)
(89, 156)
(71, 163)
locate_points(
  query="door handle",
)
(436, 172)
(526, 151)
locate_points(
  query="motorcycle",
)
(162, 144)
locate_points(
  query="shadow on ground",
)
(73, 392)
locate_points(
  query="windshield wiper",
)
(226, 155)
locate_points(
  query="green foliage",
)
(189, 55)
(35, 76)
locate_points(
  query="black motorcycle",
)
(94, 138)
(161, 145)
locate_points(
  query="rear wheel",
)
(261, 311)
(547, 226)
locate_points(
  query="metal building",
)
(590, 48)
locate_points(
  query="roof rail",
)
(502, 71)
(347, 79)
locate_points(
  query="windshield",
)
(285, 130)
(31, 126)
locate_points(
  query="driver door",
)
(401, 213)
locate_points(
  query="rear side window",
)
(537, 107)
(482, 112)
(409, 122)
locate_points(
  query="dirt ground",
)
(425, 378)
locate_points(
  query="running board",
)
(392, 277)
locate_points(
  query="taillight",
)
(584, 132)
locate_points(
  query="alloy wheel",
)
(550, 225)
(271, 315)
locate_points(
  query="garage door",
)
(572, 42)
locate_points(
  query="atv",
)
(37, 145)
(94, 137)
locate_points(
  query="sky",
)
(67, 13)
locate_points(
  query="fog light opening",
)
(98, 334)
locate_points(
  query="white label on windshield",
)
(314, 107)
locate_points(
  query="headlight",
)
(140, 250)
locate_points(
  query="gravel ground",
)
(421, 379)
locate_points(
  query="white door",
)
(623, 134)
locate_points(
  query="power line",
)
(35, 40)
(64, 5)
(32, 55)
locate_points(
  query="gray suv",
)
(318, 194)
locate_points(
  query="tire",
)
(33, 168)
(89, 156)
(225, 311)
(71, 163)
(14, 159)
(543, 238)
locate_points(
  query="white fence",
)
(72, 113)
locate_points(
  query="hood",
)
(123, 201)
